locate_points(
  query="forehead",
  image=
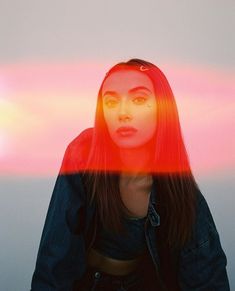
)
(122, 81)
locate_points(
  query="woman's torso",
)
(135, 193)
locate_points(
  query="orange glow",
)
(45, 106)
(76, 159)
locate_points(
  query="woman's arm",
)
(61, 254)
(203, 261)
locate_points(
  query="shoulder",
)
(203, 261)
(204, 228)
(204, 214)
(76, 152)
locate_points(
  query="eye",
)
(139, 100)
(111, 102)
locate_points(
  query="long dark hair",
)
(170, 168)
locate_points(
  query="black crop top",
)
(126, 246)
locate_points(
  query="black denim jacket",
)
(61, 258)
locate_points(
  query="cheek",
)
(109, 120)
(148, 117)
(147, 126)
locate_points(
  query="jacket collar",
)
(153, 216)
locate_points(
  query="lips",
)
(126, 130)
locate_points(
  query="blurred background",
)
(53, 57)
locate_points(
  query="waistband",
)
(112, 266)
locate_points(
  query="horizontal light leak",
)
(43, 107)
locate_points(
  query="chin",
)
(129, 145)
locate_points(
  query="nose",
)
(124, 111)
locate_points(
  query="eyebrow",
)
(130, 91)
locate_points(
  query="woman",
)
(126, 212)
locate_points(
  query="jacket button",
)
(97, 275)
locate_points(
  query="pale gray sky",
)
(199, 31)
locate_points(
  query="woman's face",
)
(130, 107)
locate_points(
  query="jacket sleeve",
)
(61, 254)
(203, 261)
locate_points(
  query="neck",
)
(135, 160)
